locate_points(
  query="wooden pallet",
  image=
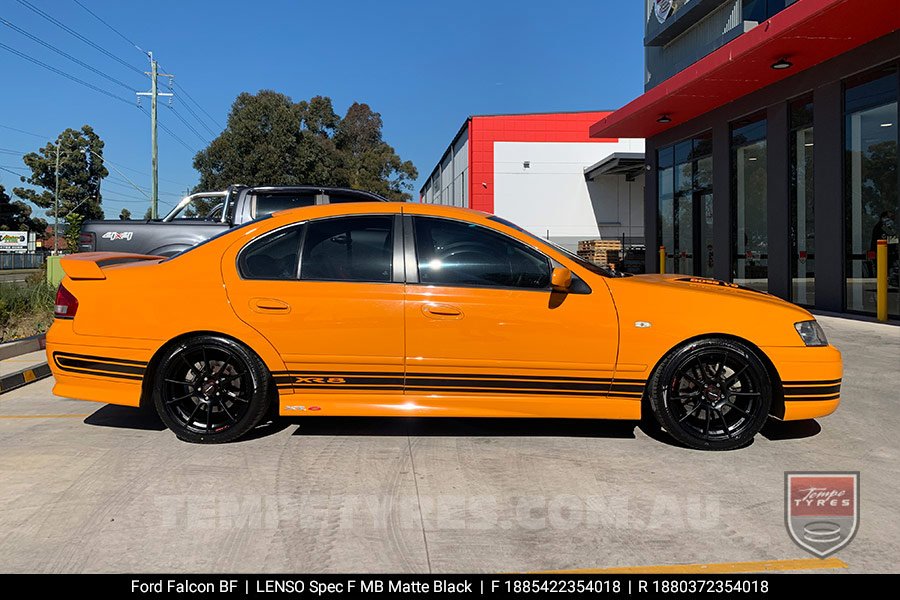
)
(600, 252)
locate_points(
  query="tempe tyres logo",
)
(821, 510)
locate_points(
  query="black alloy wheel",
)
(711, 394)
(210, 389)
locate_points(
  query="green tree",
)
(15, 215)
(125, 215)
(73, 230)
(369, 162)
(81, 171)
(271, 140)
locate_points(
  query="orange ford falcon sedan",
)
(388, 309)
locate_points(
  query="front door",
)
(486, 336)
(327, 296)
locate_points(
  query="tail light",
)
(66, 304)
(87, 242)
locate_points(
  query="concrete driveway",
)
(89, 488)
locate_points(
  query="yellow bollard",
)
(662, 260)
(881, 262)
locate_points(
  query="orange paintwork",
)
(406, 337)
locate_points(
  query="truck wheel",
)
(711, 394)
(210, 389)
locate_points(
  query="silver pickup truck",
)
(192, 221)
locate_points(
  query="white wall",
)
(552, 196)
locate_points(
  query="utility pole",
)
(154, 93)
(56, 202)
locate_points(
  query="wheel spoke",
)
(693, 410)
(178, 382)
(737, 408)
(735, 375)
(730, 393)
(208, 415)
(179, 398)
(690, 377)
(190, 418)
(235, 396)
(726, 428)
(720, 368)
(708, 419)
(225, 410)
(687, 396)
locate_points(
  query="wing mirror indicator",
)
(561, 279)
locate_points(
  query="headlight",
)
(811, 333)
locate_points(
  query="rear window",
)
(266, 204)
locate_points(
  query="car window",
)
(272, 256)
(458, 253)
(348, 249)
(340, 198)
(267, 204)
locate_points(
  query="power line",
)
(113, 29)
(196, 116)
(188, 125)
(71, 31)
(23, 131)
(66, 75)
(187, 95)
(66, 55)
(10, 171)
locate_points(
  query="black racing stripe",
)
(337, 373)
(810, 398)
(102, 374)
(479, 376)
(344, 388)
(503, 384)
(121, 361)
(477, 390)
(812, 390)
(812, 382)
(628, 387)
(64, 362)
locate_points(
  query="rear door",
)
(328, 294)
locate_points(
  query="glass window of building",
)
(871, 182)
(760, 10)
(803, 223)
(685, 206)
(750, 257)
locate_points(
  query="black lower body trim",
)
(100, 366)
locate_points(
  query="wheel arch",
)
(776, 408)
(153, 364)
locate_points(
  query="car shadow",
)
(461, 427)
(125, 417)
(775, 430)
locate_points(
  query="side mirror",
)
(561, 279)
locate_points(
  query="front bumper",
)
(810, 380)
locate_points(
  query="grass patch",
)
(26, 308)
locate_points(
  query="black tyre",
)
(712, 394)
(211, 389)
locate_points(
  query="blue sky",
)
(424, 66)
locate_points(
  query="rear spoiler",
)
(88, 265)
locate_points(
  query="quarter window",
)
(273, 256)
(456, 253)
(348, 249)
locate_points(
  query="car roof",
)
(327, 190)
(364, 208)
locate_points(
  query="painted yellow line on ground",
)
(795, 564)
(44, 416)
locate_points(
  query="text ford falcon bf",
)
(388, 309)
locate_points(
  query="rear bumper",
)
(810, 380)
(93, 370)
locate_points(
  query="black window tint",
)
(456, 253)
(273, 256)
(266, 204)
(348, 249)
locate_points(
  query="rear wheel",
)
(711, 394)
(211, 389)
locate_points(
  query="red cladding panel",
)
(807, 33)
(551, 127)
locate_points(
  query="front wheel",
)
(211, 389)
(712, 394)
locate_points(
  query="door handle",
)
(442, 311)
(269, 305)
